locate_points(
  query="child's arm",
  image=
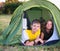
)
(42, 35)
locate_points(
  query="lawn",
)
(4, 21)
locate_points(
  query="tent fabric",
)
(10, 33)
(51, 42)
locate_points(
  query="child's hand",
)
(28, 43)
(38, 39)
(41, 40)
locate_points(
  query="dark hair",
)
(36, 21)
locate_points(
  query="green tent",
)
(34, 9)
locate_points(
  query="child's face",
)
(35, 27)
(49, 25)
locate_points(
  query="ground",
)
(4, 21)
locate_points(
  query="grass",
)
(27, 48)
(4, 21)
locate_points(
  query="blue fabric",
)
(52, 42)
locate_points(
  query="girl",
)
(47, 32)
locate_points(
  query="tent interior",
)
(40, 13)
(36, 12)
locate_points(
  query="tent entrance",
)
(39, 13)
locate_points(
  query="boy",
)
(31, 37)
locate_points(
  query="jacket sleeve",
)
(24, 36)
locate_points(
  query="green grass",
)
(4, 21)
(22, 48)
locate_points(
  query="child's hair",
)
(35, 21)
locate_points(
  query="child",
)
(47, 31)
(30, 37)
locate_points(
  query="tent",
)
(35, 9)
